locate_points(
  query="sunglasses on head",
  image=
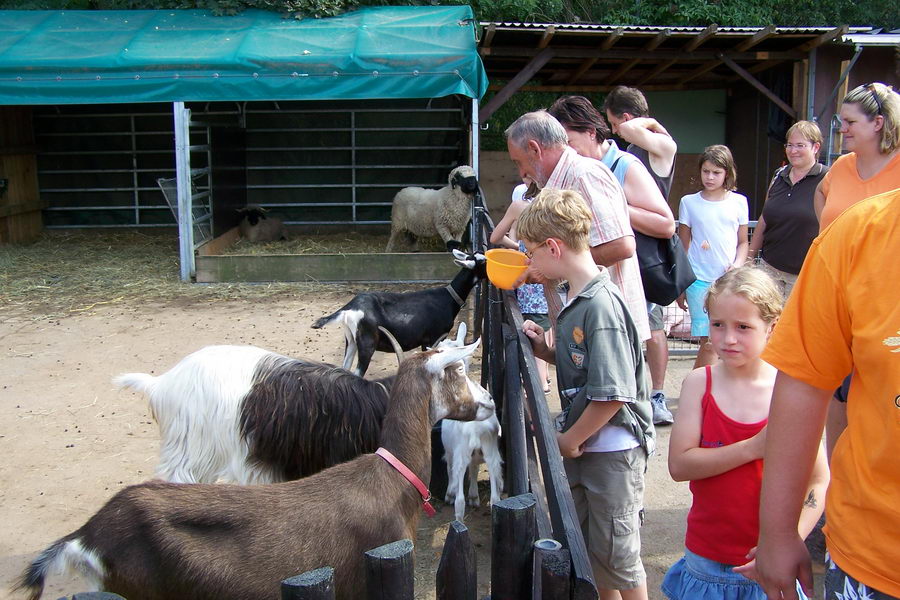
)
(871, 88)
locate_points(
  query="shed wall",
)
(20, 203)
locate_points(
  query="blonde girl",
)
(713, 228)
(718, 440)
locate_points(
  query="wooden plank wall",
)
(20, 202)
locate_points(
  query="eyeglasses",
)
(874, 92)
(530, 253)
(796, 146)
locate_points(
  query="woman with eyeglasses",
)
(788, 223)
(870, 124)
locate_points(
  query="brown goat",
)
(158, 541)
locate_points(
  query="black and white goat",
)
(241, 414)
(417, 319)
(158, 540)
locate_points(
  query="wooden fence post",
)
(457, 578)
(512, 535)
(312, 585)
(516, 455)
(389, 571)
(552, 570)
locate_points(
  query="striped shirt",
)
(609, 222)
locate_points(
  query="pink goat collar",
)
(411, 477)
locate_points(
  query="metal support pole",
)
(811, 87)
(476, 133)
(183, 185)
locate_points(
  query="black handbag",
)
(665, 269)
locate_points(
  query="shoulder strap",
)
(778, 173)
(708, 380)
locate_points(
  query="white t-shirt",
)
(714, 231)
(518, 192)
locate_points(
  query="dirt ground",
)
(70, 440)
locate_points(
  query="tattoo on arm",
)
(811, 500)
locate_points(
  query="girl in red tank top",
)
(717, 444)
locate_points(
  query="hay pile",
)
(69, 272)
(351, 242)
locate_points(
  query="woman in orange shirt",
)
(870, 124)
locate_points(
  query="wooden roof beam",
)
(546, 37)
(488, 35)
(692, 45)
(612, 38)
(587, 63)
(661, 67)
(700, 38)
(823, 39)
(704, 68)
(762, 34)
(513, 85)
(759, 86)
(648, 47)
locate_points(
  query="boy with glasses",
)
(606, 425)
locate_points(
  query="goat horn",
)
(446, 356)
(397, 349)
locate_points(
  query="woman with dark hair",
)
(589, 136)
(788, 223)
(648, 212)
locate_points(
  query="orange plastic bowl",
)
(505, 266)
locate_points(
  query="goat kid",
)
(415, 319)
(158, 541)
(245, 415)
(466, 445)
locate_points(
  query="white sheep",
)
(257, 227)
(422, 213)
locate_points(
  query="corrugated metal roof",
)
(810, 30)
(873, 39)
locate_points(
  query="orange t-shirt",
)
(843, 314)
(843, 187)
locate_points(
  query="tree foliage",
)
(878, 13)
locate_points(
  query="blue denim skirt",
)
(697, 578)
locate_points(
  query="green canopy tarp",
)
(93, 57)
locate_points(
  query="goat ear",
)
(463, 260)
(459, 254)
(461, 334)
(447, 356)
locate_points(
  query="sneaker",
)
(661, 413)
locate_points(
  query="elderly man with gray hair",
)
(538, 144)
